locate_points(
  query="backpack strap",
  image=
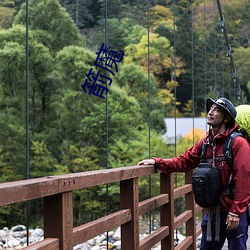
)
(203, 158)
(227, 148)
(227, 151)
(203, 152)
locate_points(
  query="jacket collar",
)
(221, 136)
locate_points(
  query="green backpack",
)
(243, 120)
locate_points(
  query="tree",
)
(132, 78)
(12, 124)
(161, 16)
(42, 162)
(242, 65)
(124, 117)
(82, 116)
(161, 57)
(40, 60)
(237, 19)
(136, 34)
(53, 25)
(13, 148)
(84, 13)
(160, 61)
(6, 17)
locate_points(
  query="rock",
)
(111, 233)
(23, 240)
(95, 248)
(81, 246)
(3, 233)
(117, 245)
(117, 234)
(18, 247)
(111, 239)
(16, 238)
(38, 232)
(18, 234)
(103, 243)
(100, 238)
(18, 228)
(91, 242)
(13, 243)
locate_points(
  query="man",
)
(221, 115)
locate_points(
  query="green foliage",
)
(81, 160)
(136, 34)
(237, 13)
(12, 68)
(53, 25)
(12, 149)
(72, 64)
(84, 13)
(123, 119)
(42, 162)
(6, 17)
(132, 151)
(242, 63)
(160, 53)
(161, 16)
(132, 78)
(119, 31)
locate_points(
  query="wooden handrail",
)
(56, 191)
(24, 190)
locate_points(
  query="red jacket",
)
(241, 167)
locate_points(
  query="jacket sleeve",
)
(185, 162)
(241, 175)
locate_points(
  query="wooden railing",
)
(59, 232)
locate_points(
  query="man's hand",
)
(146, 162)
(232, 221)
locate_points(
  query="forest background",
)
(67, 128)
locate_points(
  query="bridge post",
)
(58, 219)
(129, 198)
(167, 210)
(190, 205)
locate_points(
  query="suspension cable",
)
(27, 207)
(215, 52)
(205, 50)
(106, 115)
(192, 76)
(174, 73)
(221, 68)
(229, 53)
(149, 120)
(175, 95)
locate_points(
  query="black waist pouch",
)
(206, 183)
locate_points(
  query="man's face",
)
(215, 116)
